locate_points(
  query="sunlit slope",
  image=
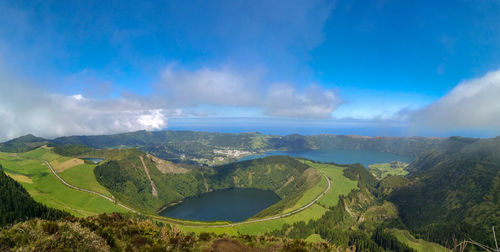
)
(340, 185)
(29, 169)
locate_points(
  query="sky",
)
(402, 68)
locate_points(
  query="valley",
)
(305, 191)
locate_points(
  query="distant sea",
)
(286, 127)
(282, 127)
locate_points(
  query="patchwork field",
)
(29, 169)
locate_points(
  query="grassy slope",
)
(83, 176)
(340, 186)
(47, 189)
(314, 238)
(418, 244)
(383, 170)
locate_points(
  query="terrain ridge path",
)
(154, 191)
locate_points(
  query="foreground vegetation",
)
(17, 205)
(116, 232)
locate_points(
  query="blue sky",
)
(110, 66)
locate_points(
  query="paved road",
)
(201, 226)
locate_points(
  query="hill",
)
(213, 148)
(135, 178)
(453, 193)
(16, 204)
(23, 144)
(188, 145)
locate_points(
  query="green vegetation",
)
(453, 193)
(45, 188)
(128, 180)
(341, 185)
(286, 176)
(418, 244)
(452, 190)
(82, 176)
(16, 204)
(22, 144)
(387, 169)
(198, 147)
(116, 232)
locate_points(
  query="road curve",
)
(85, 190)
(281, 215)
(200, 226)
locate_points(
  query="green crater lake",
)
(233, 205)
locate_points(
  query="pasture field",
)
(340, 185)
(83, 176)
(418, 244)
(383, 170)
(47, 189)
(314, 238)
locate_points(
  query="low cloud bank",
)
(26, 109)
(472, 105)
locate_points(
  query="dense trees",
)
(454, 193)
(16, 204)
(127, 180)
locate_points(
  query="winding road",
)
(201, 225)
(85, 190)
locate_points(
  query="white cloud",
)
(226, 87)
(472, 104)
(26, 109)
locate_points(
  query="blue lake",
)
(95, 160)
(240, 204)
(339, 156)
(233, 205)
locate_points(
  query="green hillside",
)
(34, 175)
(184, 146)
(17, 205)
(127, 179)
(22, 144)
(454, 193)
